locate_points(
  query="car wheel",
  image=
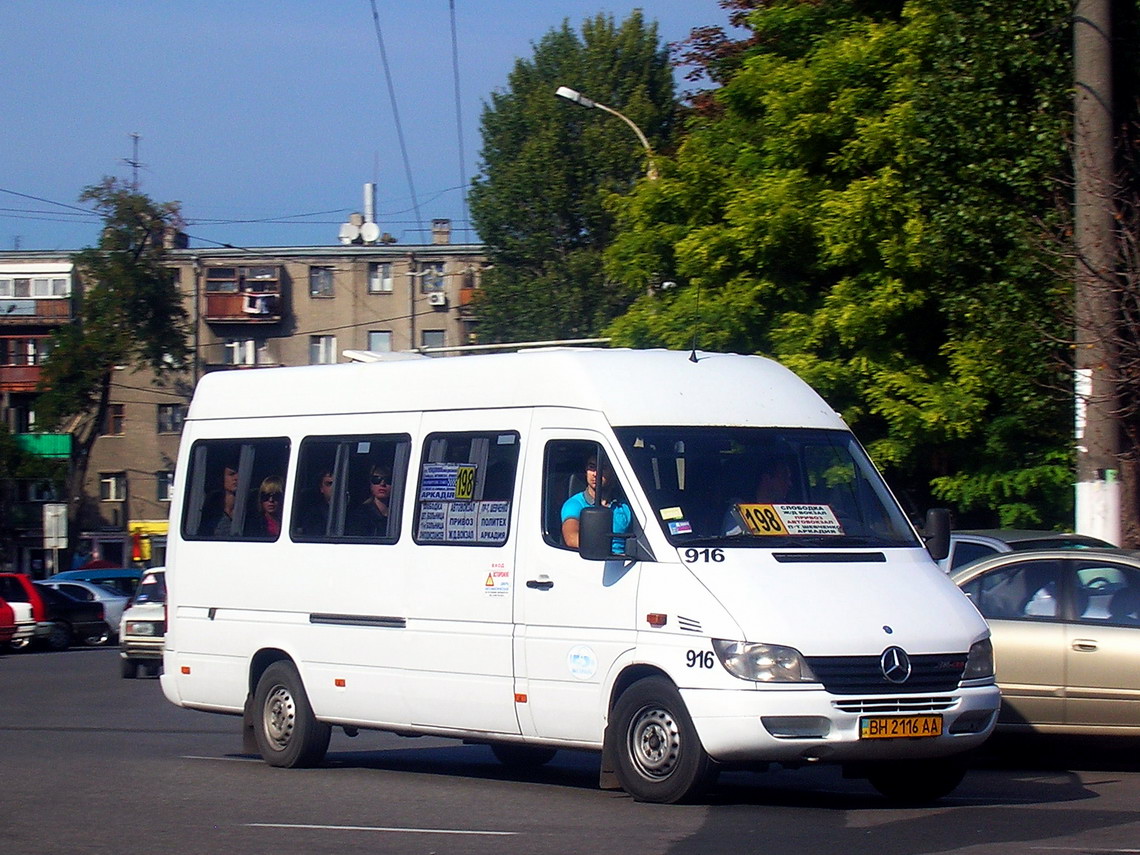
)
(522, 756)
(153, 669)
(658, 755)
(128, 669)
(287, 732)
(60, 636)
(917, 782)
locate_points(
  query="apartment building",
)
(249, 308)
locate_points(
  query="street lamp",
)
(578, 98)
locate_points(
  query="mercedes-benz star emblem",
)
(895, 664)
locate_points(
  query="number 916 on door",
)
(700, 658)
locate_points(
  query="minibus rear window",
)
(764, 487)
(235, 489)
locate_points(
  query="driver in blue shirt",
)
(595, 494)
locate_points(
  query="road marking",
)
(393, 829)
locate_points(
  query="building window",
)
(24, 351)
(432, 338)
(240, 351)
(113, 486)
(170, 417)
(431, 277)
(39, 286)
(164, 485)
(380, 341)
(115, 414)
(322, 349)
(320, 281)
(221, 279)
(379, 277)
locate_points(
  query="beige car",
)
(1066, 636)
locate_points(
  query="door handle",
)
(541, 584)
(1084, 645)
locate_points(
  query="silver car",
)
(1066, 636)
(968, 545)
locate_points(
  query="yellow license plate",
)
(900, 726)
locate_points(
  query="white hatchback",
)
(143, 626)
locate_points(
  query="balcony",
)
(248, 307)
(53, 311)
(19, 378)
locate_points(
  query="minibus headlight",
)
(980, 662)
(764, 663)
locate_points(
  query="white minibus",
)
(684, 562)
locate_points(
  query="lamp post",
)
(578, 98)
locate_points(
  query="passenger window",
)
(350, 488)
(1029, 589)
(466, 488)
(235, 489)
(1108, 593)
(965, 552)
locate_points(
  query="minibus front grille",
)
(863, 675)
(867, 706)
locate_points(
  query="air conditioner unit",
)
(437, 299)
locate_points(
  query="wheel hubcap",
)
(280, 717)
(655, 742)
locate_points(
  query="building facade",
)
(249, 308)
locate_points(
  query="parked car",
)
(114, 603)
(19, 588)
(971, 544)
(72, 621)
(16, 624)
(1066, 634)
(121, 579)
(143, 627)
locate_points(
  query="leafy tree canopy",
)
(865, 204)
(129, 311)
(546, 166)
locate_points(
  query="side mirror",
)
(936, 533)
(596, 533)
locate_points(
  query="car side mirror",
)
(936, 533)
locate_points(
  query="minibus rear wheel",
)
(657, 753)
(287, 732)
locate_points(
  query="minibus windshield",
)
(764, 487)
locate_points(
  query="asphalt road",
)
(92, 763)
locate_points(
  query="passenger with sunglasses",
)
(371, 518)
(266, 522)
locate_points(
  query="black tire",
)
(515, 756)
(658, 756)
(60, 636)
(153, 669)
(128, 669)
(917, 782)
(287, 733)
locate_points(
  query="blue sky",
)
(253, 111)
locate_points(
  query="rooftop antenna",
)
(133, 162)
(697, 325)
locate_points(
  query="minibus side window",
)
(350, 488)
(565, 471)
(235, 489)
(466, 488)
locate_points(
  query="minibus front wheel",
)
(287, 732)
(657, 753)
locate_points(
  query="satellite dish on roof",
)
(369, 232)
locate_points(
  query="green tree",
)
(546, 167)
(865, 206)
(129, 313)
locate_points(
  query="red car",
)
(18, 588)
(7, 622)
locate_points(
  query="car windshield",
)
(152, 590)
(764, 487)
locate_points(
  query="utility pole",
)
(1098, 443)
